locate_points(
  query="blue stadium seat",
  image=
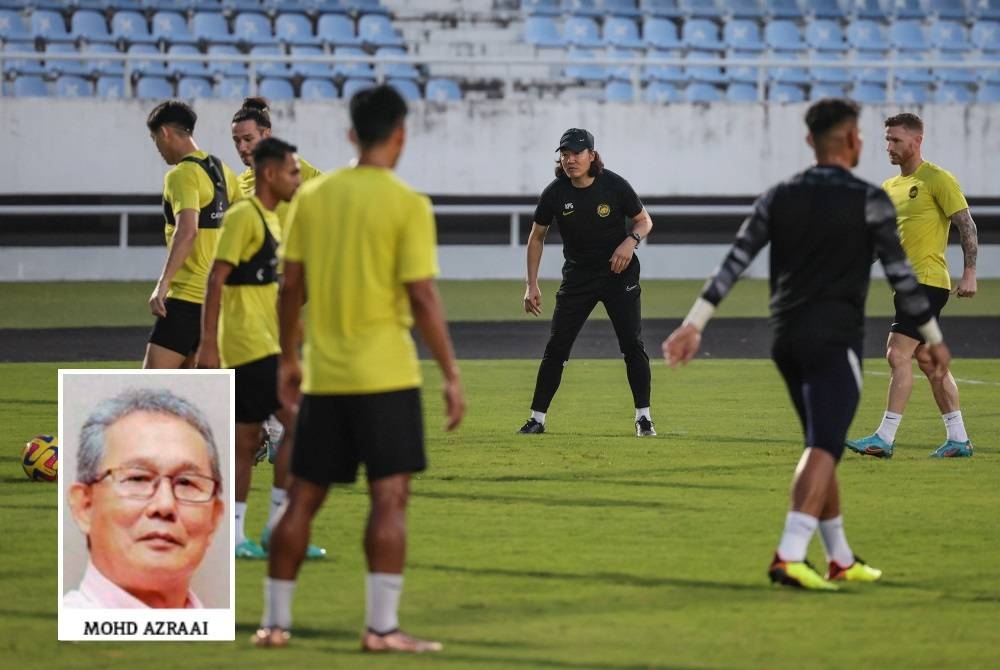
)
(619, 91)
(660, 92)
(232, 88)
(591, 8)
(871, 94)
(948, 9)
(294, 28)
(955, 75)
(913, 75)
(825, 35)
(355, 70)
(356, 7)
(76, 68)
(171, 28)
(864, 74)
(397, 70)
(23, 66)
(866, 35)
(151, 87)
(106, 67)
(986, 9)
(377, 30)
(13, 26)
(905, 9)
(89, 25)
(337, 30)
(406, 87)
(31, 86)
(660, 33)
(212, 27)
(541, 7)
(908, 36)
(711, 74)
(950, 36)
(988, 93)
(785, 93)
(991, 75)
(701, 34)
(742, 93)
(783, 36)
(783, 9)
(699, 9)
(742, 35)
(625, 8)
(241, 5)
(192, 68)
(70, 86)
(743, 9)
(819, 91)
(622, 32)
(662, 73)
(253, 29)
(271, 68)
(194, 88)
(582, 31)
(911, 94)
(276, 90)
(543, 31)
(307, 69)
(866, 9)
(315, 88)
(131, 27)
(50, 26)
(986, 35)
(823, 9)
(745, 74)
(830, 74)
(110, 87)
(226, 67)
(586, 70)
(699, 92)
(353, 85)
(788, 74)
(624, 71)
(155, 66)
(442, 90)
(952, 94)
(666, 9)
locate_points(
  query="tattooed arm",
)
(962, 220)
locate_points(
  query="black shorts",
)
(257, 390)
(824, 381)
(180, 329)
(335, 433)
(905, 325)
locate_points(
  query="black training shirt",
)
(593, 221)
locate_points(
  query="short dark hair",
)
(175, 113)
(375, 113)
(596, 167)
(271, 149)
(254, 109)
(828, 113)
(907, 120)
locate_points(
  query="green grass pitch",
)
(587, 548)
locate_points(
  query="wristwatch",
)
(636, 236)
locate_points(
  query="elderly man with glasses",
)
(148, 496)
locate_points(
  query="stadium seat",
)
(913, 75)
(788, 74)
(986, 9)
(623, 8)
(541, 7)
(742, 35)
(701, 34)
(406, 87)
(276, 90)
(337, 30)
(352, 86)
(660, 33)
(866, 9)
(819, 91)
(867, 74)
(867, 93)
(377, 30)
(822, 74)
(252, 29)
(911, 94)
(948, 9)
(619, 91)
(76, 67)
(698, 92)
(950, 36)
(582, 31)
(110, 87)
(783, 36)
(991, 75)
(295, 29)
(742, 93)
(908, 36)
(590, 8)
(89, 25)
(131, 27)
(316, 88)
(666, 9)
(822, 9)
(171, 28)
(986, 35)
(397, 70)
(746, 74)
(107, 67)
(270, 68)
(661, 72)
(155, 66)
(866, 35)
(699, 9)
(785, 93)
(585, 70)
(150, 88)
(192, 88)
(659, 92)
(783, 9)
(954, 75)
(743, 9)
(951, 94)
(22, 66)
(905, 9)
(69, 86)
(988, 93)
(308, 69)
(622, 32)
(711, 74)
(226, 67)
(50, 26)
(232, 88)
(241, 5)
(352, 70)
(13, 26)
(30, 86)
(356, 7)
(442, 90)
(625, 71)
(212, 27)
(190, 68)
(825, 35)
(543, 31)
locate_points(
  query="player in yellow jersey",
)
(928, 201)
(197, 190)
(361, 244)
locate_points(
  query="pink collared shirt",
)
(98, 592)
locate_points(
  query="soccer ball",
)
(40, 458)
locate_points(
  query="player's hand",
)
(454, 403)
(682, 345)
(623, 255)
(157, 301)
(533, 300)
(207, 357)
(966, 286)
(289, 383)
(941, 357)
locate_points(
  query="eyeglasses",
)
(142, 484)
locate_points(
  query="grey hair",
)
(92, 435)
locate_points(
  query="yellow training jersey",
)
(248, 182)
(248, 322)
(187, 185)
(925, 202)
(361, 234)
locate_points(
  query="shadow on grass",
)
(245, 630)
(41, 506)
(22, 401)
(24, 480)
(591, 479)
(557, 502)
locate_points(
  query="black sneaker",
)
(532, 427)
(644, 428)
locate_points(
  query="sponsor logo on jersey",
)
(913, 192)
(603, 209)
(568, 209)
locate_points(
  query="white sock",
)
(642, 411)
(278, 603)
(890, 424)
(835, 541)
(382, 591)
(799, 529)
(277, 506)
(538, 416)
(241, 515)
(955, 426)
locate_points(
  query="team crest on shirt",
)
(913, 192)
(603, 209)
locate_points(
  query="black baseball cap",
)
(576, 140)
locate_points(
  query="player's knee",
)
(897, 358)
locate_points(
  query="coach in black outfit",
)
(602, 221)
